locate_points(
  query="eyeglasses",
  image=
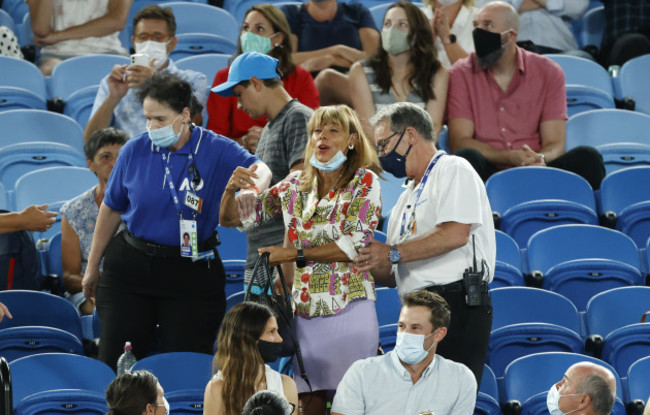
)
(382, 143)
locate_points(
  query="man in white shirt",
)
(411, 379)
(440, 220)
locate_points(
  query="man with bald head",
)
(507, 106)
(586, 388)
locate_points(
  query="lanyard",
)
(420, 188)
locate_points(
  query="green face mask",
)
(394, 41)
(251, 42)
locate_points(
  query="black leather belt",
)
(165, 251)
(447, 288)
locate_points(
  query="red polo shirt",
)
(508, 120)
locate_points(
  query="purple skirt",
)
(329, 345)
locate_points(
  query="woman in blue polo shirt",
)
(165, 183)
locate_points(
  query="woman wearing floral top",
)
(330, 211)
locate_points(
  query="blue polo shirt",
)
(137, 186)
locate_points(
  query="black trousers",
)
(584, 161)
(468, 335)
(137, 292)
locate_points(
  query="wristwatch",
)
(450, 40)
(394, 256)
(301, 262)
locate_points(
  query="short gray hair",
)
(401, 115)
(602, 396)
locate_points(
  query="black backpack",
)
(19, 269)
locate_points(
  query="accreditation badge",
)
(189, 241)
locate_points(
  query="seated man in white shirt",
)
(411, 379)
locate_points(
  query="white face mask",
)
(410, 347)
(445, 3)
(154, 50)
(553, 401)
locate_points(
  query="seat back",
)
(233, 243)
(624, 188)
(19, 126)
(201, 18)
(581, 98)
(388, 305)
(581, 71)
(387, 337)
(52, 184)
(487, 401)
(507, 270)
(79, 104)
(616, 308)
(378, 13)
(12, 98)
(82, 71)
(635, 83)
(18, 342)
(23, 74)
(7, 20)
(4, 204)
(235, 269)
(208, 64)
(593, 27)
(237, 8)
(638, 381)
(54, 265)
(234, 299)
(507, 249)
(194, 44)
(607, 126)
(179, 370)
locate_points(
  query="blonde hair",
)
(363, 155)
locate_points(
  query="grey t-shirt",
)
(281, 145)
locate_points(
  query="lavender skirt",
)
(329, 345)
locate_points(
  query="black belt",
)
(447, 288)
(166, 251)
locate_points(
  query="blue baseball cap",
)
(246, 66)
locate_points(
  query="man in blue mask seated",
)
(586, 388)
(411, 379)
(442, 217)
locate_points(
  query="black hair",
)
(153, 11)
(102, 138)
(168, 89)
(267, 403)
(129, 393)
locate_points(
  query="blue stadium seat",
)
(202, 18)
(387, 336)
(388, 305)
(55, 383)
(13, 98)
(4, 204)
(529, 378)
(614, 321)
(18, 342)
(619, 135)
(238, 8)
(18, 159)
(391, 189)
(625, 202)
(487, 401)
(54, 263)
(79, 104)
(22, 85)
(193, 44)
(378, 13)
(507, 271)
(19, 126)
(380, 236)
(638, 382)
(579, 261)
(527, 199)
(531, 320)
(82, 71)
(208, 64)
(234, 299)
(593, 27)
(233, 243)
(183, 376)
(17, 9)
(7, 20)
(234, 269)
(634, 82)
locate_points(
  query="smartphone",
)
(140, 59)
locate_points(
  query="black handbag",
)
(280, 304)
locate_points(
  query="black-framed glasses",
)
(382, 143)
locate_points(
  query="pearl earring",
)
(351, 146)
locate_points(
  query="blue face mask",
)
(165, 136)
(410, 347)
(329, 166)
(395, 163)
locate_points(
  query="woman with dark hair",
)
(165, 182)
(267, 403)
(136, 393)
(264, 30)
(248, 339)
(405, 68)
(330, 210)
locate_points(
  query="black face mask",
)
(485, 42)
(269, 351)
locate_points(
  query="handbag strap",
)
(262, 263)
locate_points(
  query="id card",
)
(193, 202)
(189, 243)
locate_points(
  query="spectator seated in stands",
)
(411, 378)
(451, 21)
(507, 107)
(78, 216)
(404, 68)
(68, 28)
(586, 388)
(627, 31)
(265, 30)
(547, 24)
(116, 103)
(330, 34)
(136, 393)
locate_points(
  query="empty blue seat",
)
(625, 202)
(203, 18)
(529, 378)
(581, 71)
(183, 376)
(7, 20)
(234, 299)
(234, 269)
(193, 44)
(614, 318)
(507, 270)
(208, 64)
(527, 199)
(387, 337)
(378, 13)
(55, 383)
(531, 320)
(388, 305)
(233, 243)
(12, 98)
(4, 204)
(487, 401)
(82, 71)
(17, 9)
(593, 27)
(391, 189)
(79, 104)
(634, 82)
(54, 263)
(23, 74)
(638, 381)
(579, 261)
(19, 126)
(619, 135)
(18, 342)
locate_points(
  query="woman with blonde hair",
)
(265, 30)
(405, 68)
(330, 211)
(248, 339)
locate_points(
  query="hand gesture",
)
(373, 255)
(117, 85)
(441, 24)
(137, 74)
(36, 218)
